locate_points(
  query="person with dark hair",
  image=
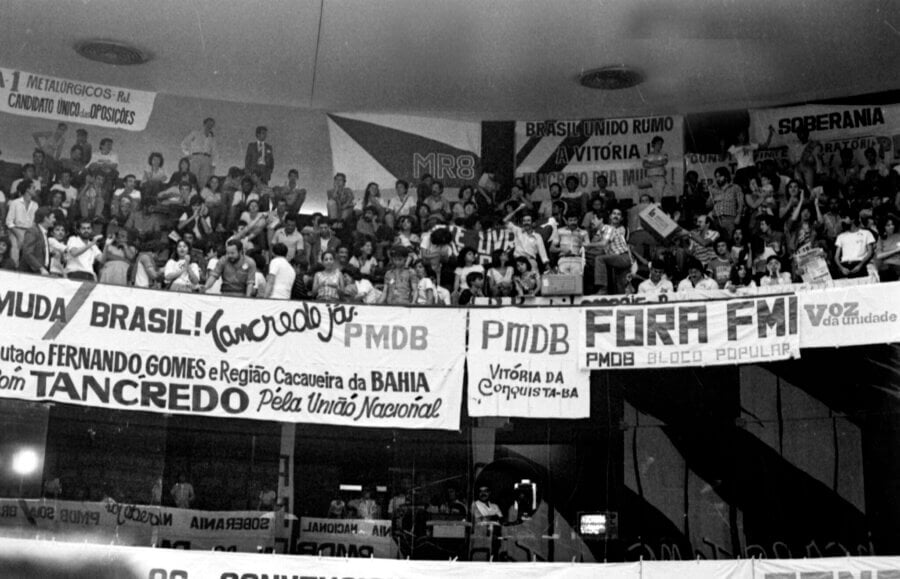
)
(610, 250)
(465, 264)
(364, 257)
(726, 200)
(340, 199)
(290, 237)
(400, 282)
(82, 252)
(499, 278)
(106, 163)
(696, 278)
(474, 288)
(181, 273)
(720, 265)
(568, 242)
(526, 281)
(145, 272)
(260, 155)
(887, 249)
(6, 260)
(774, 275)
(528, 242)
(118, 257)
(401, 205)
(20, 216)
(741, 276)
(853, 248)
(328, 284)
(657, 282)
(238, 272)
(35, 256)
(655, 167)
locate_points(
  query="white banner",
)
(835, 126)
(850, 316)
(85, 561)
(346, 538)
(549, 151)
(520, 364)
(35, 95)
(131, 349)
(146, 525)
(737, 331)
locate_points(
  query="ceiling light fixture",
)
(613, 77)
(111, 52)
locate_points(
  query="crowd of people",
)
(75, 216)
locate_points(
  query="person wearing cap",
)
(658, 283)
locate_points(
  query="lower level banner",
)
(145, 525)
(346, 538)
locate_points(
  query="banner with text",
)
(346, 538)
(835, 126)
(145, 525)
(548, 152)
(850, 316)
(130, 349)
(385, 148)
(748, 330)
(520, 364)
(35, 95)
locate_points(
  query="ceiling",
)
(473, 59)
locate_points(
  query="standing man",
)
(82, 252)
(726, 200)
(35, 256)
(200, 147)
(528, 242)
(259, 157)
(238, 272)
(52, 142)
(21, 215)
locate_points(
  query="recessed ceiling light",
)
(614, 77)
(111, 52)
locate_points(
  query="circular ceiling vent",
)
(612, 77)
(111, 52)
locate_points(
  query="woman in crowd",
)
(184, 173)
(371, 197)
(500, 275)
(887, 250)
(801, 228)
(526, 280)
(6, 260)
(154, 181)
(740, 245)
(405, 231)
(363, 257)
(328, 283)
(425, 295)
(90, 199)
(465, 264)
(57, 204)
(214, 198)
(145, 272)
(196, 219)
(181, 273)
(118, 256)
(465, 195)
(741, 277)
(256, 223)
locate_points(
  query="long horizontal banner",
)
(739, 331)
(36, 95)
(346, 538)
(145, 525)
(520, 364)
(20, 558)
(130, 349)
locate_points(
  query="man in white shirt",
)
(65, 185)
(128, 191)
(528, 243)
(290, 237)
(106, 161)
(20, 216)
(281, 274)
(82, 252)
(200, 147)
(696, 279)
(853, 248)
(658, 282)
(742, 152)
